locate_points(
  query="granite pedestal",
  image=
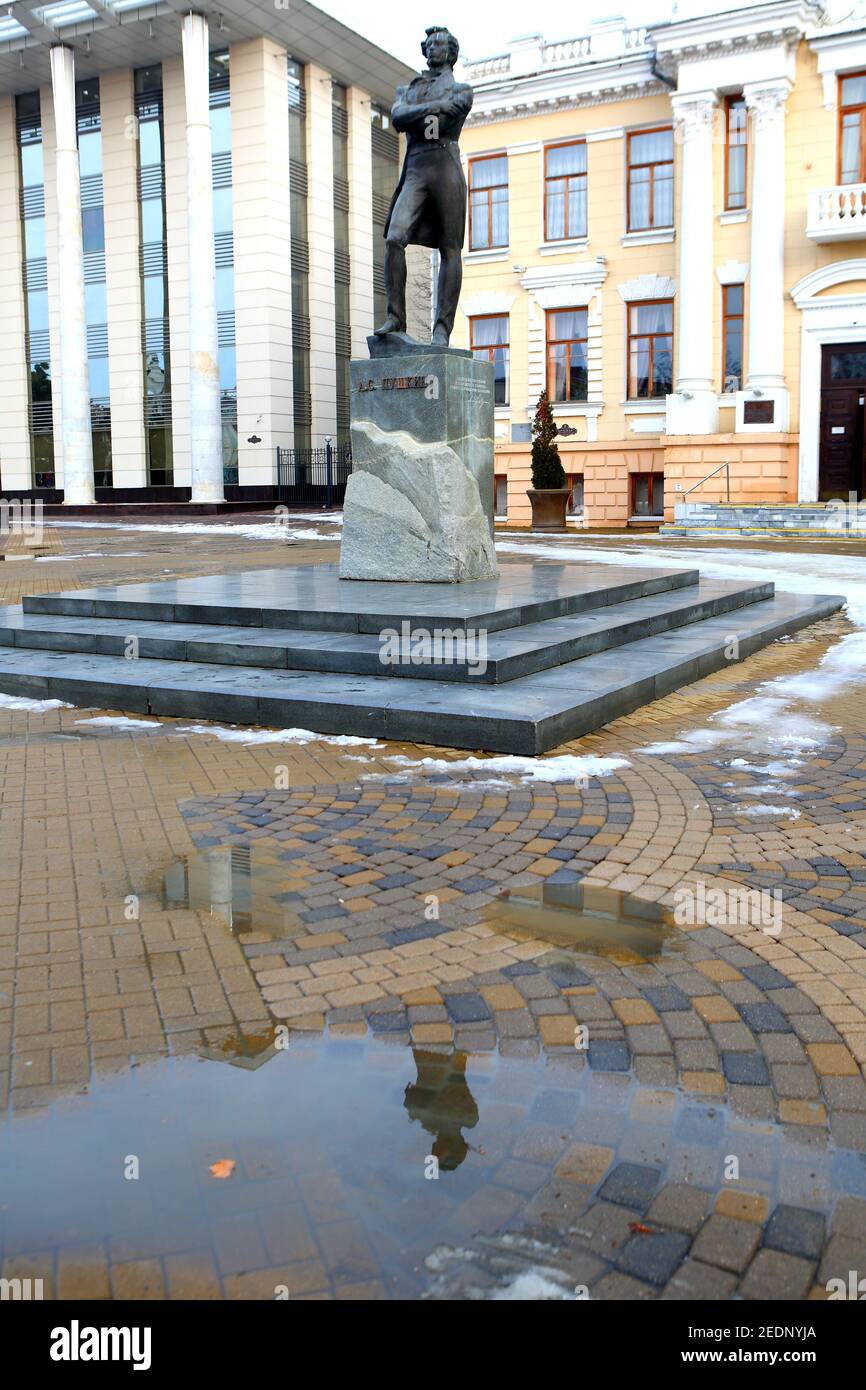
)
(419, 502)
(564, 648)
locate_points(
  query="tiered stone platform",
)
(569, 647)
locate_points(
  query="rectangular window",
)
(566, 354)
(500, 494)
(647, 494)
(650, 349)
(32, 205)
(650, 179)
(219, 103)
(301, 397)
(488, 339)
(565, 191)
(852, 116)
(736, 147)
(488, 202)
(732, 338)
(385, 152)
(154, 277)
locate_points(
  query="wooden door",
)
(843, 401)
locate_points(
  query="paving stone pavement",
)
(369, 922)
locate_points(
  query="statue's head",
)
(440, 47)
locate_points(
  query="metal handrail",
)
(727, 468)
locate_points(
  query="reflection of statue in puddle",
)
(441, 1101)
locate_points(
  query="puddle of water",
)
(332, 1140)
(239, 885)
(590, 920)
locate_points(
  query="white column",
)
(177, 250)
(263, 255)
(361, 301)
(123, 278)
(320, 222)
(693, 408)
(15, 457)
(77, 448)
(765, 380)
(204, 384)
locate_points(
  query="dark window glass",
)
(93, 229)
(848, 366)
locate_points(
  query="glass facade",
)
(89, 126)
(154, 276)
(302, 402)
(342, 271)
(35, 279)
(385, 152)
(221, 160)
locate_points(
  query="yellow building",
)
(667, 228)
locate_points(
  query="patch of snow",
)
(777, 812)
(236, 734)
(534, 1285)
(261, 531)
(88, 555)
(120, 721)
(768, 790)
(565, 768)
(21, 702)
(771, 769)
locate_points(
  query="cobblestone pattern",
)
(770, 1031)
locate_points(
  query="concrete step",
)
(502, 656)
(821, 520)
(529, 715)
(312, 598)
(768, 531)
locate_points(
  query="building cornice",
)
(565, 92)
(612, 62)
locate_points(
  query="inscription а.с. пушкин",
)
(395, 383)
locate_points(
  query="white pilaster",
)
(263, 255)
(766, 104)
(77, 449)
(320, 215)
(693, 408)
(123, 278)
(15, 458)
(204, 385)
(361, 301)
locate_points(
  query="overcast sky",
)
(483, 26)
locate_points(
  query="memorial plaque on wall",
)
(758, 412)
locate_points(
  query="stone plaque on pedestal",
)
(419, 502)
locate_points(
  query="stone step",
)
(502, 656)
(313, 598)
(530, 715)
(757, 532)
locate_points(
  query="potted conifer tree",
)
(550, 491)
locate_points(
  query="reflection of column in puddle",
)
(441, 1101)
(209, 883)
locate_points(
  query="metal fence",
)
(316, 477)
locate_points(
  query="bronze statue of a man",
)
(429, 204)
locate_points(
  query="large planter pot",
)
(548, 507)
